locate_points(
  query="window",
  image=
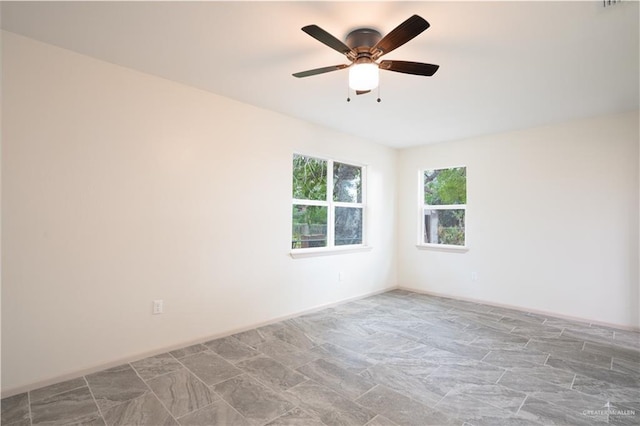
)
(444, 204)
(328, 207)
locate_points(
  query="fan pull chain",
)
(379, 100)
(348, 93)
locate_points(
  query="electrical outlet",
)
(340, 276)
(158, 307)
(474, 276)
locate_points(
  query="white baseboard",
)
(524, 310)
(103, 366)
(94, 369)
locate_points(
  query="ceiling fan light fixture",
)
(364, 76)
(363, 49)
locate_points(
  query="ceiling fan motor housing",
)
(361, 41)
(363, 37)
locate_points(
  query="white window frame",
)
(331, 205)
(422, 206)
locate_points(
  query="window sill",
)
(443, 247)
(324, 251)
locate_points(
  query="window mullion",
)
(310, 202)
(331, 210)
(446, 207)
(347, 204)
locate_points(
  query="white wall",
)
(552, 220)
(119, 188)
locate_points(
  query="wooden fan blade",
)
(402, 34)
(320, 70)
(324, 37)
(362, 92)
(406, 67)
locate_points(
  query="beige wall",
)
(119, 188)
(552, 220)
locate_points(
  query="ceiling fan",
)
(364, 46)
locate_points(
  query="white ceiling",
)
(503, 65)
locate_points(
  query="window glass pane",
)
(309, 178)
(348, 227)
(347, 183)
(445, 186)
(309, 226)
(444, 226)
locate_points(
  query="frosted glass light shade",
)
(363, 76)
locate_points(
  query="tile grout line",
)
(29, 407)
(411, 398)
(285, 413)
(214, 353)
(522, 403)
(153, 393)
(233, 408)
(266, 385)
(266, 422)
(191, 373)
(60, 392)
(471, 342)
(159, 375)
(210, 388)
(372, 419)
(440, 400)
(95, 401)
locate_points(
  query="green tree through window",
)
(323, 217)
(445, 199)
(309, 178)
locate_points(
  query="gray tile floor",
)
(398, 358)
